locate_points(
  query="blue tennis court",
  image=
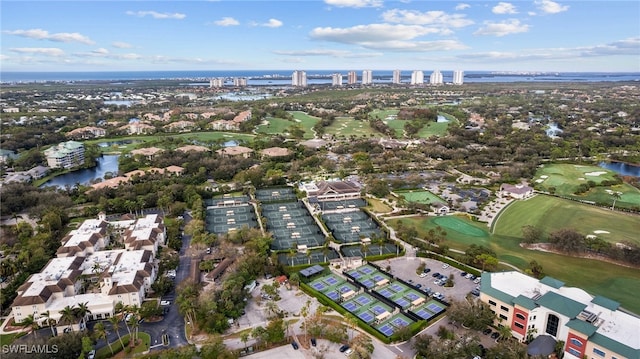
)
(368, 283)
(345, 289)
(333, 295)
(350, 306)
(355, 274)
(330, 281)
(318, 286)
(402, 302)
(399, 322)
(412, 296)
(397, 288)
(425, 314)
(378, 309)
(378, 278)
(362, 300)
(366, 270)
(366, 316)
(435, 308)
(386, 330)
(386, 293)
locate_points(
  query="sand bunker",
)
(600, 232)
(597, 173)
(581, 179)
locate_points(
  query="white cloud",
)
(551, 7)
(504, 8)
(227, 21)
(354, 3)
(416, 46)
(415, 17)
(157, 15)
(4, 57)
(370, 33)
(462, 6)
(326, 52)
(502, 28)
(273, 23)
(47, 51)
(101, 51)
(40, 34)
(121, 45)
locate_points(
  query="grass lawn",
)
(383, 114)
(105, 352)
(202, 137)
(420, 196)
(566, 178)
(596, 277)
(274, 125)
(347, 127)
(6, 339)
(434, 129)
(378, 206)
(307, 122)
(551, 213)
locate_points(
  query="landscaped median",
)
(144, 341)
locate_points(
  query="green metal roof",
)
(560, 304)
(613, 345)
(552, 282)
(582, 327)
(525, 302)
(486, 288)
(605, 302)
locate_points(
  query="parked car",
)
(463, 274)
(495, 335)
(313, 342)
(128, 317)
(477, 280)
(418, 285)
(487, 331)
(343, 348)
(427, 270)
(91, 354)
(348, 352)
(445, 266)
(436, 274)
(422, 275)
(475, 292)
(165, 302)
(294, 345)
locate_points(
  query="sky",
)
(537, 35)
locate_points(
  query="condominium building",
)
(65, 155)
(336, 79)
(436, 78)
(239, 81)
(367, 77)
(216, 82)
(299, 79)
(84, 273)
(397, 77)
(417, 77)
(352, 78)
(590, 326)
(458, 77)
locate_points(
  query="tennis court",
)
(424, 314)
(222, 220)
(350, 306)
(355, 250)
(226, 201)
(403, 303)
(435, 307)
(399, 322)
(363, 300)
(386, 293)
(342, 204)
(411, 296)
(330, 281)
(366, 316)
(291, 225)
(333, 295)
(367, 269)
(386, 329)
(268, 195)
(397, 287)
(378, 309)
(393, 324)
(312, 256)
(351, 226)
(368, 283)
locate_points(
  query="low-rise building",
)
(518, 191)
(590, 326)
(65, 155)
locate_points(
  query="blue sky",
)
(537, 35)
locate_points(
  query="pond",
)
(105, 163)
(624, 169)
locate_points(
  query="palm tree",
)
(29, 321)
(352, 321)
(133, 322)
(114, 325)
(68, 316)
(49, 321)
(244, 338)
(82, 310)
(616, 196)
(100, 332)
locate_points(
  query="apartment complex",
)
(436, 78)
(65, 155)
(85, 273)
(367, 77)
(352, 78)
(458, 77)
(336, 79)
(417, 77)
(397, 77)
(591, 327)
(299, 79)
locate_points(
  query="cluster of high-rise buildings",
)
(299, 78)
(220, 82)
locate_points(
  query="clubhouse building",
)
(590, 327)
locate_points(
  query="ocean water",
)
(283, 77)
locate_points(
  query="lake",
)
(625, 169)
(106, 163)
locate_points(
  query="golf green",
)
(458, 225)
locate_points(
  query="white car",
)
(165, 302)
(422, 275)
(445, 266)
(128, 317)
(348, 352)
